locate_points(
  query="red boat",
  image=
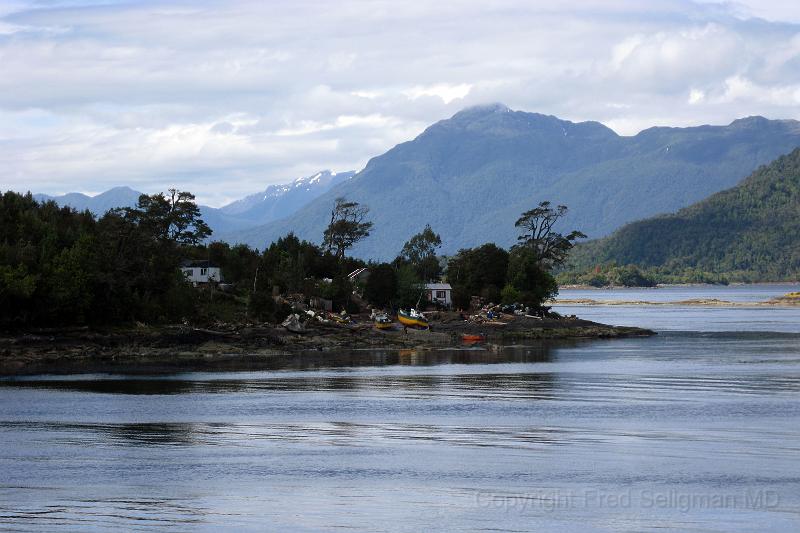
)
(473, 337)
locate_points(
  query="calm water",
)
(693, 430)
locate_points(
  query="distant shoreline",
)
(790, 300)
(677, 285)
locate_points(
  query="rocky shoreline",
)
(249, 347)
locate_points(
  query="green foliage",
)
(609, 275)
(527, 276)
(461, 298)
(478, 271)
(175, 217)
(509, 294)
(420, 253)
(62, 267)
(748, 233)
(262, 306)
(347, 226)
(381, 286)
(549, 247)
(409, 287)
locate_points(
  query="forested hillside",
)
(750, 232)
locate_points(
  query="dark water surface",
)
(692, 430)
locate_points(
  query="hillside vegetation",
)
(749, 233)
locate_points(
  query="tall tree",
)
(420, 252)
(174, 217)
(348, 225)
(548, 247)
(479, 271)
(531, 283)
(381, 286)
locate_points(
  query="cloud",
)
(226, 98)
(446, 92)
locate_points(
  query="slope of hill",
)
(470, 177)
(750, 232)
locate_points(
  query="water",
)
(707, 318)
(693, 430)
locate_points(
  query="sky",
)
(225, 98)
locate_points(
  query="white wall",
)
(201, 275)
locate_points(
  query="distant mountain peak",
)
(293, 194)
(469, 177)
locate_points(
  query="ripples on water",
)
(687, 431)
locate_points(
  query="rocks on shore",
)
(183, 348)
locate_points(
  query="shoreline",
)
(579, 287)
(170, 349)
(782, 302)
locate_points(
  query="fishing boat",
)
(413, 318)
(383, 321)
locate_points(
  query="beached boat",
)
(413, 319)
(473, 338)
(383, 321)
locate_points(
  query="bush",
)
(509, 294)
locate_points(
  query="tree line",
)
(61, 267)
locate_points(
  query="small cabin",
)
(440, 293)
(200, 272)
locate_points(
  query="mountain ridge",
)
(275, 202)
(471, 175)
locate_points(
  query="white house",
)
(440, 293)
(197, 272)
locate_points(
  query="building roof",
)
(438, 287)
(197, 263)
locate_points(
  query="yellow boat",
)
(413, 318)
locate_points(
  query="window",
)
(203, 271)
(441, 295)
(187, 272)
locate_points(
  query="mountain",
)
(275, 202)
(99, 204)
(279, 201)
(750, 232)
(471, 176)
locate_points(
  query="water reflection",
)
(401, 440)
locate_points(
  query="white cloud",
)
(226, 98)
(696, 96)
(446, 92)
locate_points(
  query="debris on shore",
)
(247, 346)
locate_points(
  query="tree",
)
(533, 283)
(548, 247)
(479, 271)
(348, 225)
(381, 285)
(175, 217)
(409, 287)
(420, 252)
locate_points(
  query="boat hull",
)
(411, 321)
